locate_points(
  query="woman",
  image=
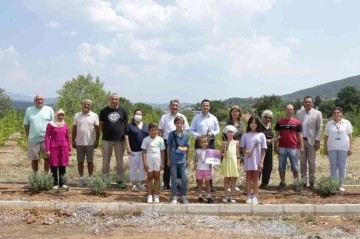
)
(58, 148)
(338, 144)
(235, 114)
(135, 132)
(266, 118)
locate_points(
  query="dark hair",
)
(136, 111)
(339, 109)
(203, 137)
(235, 107)
(178, 118)
(257, 121)
(203, 101)
(308, 97)
(174, 101)
(152, 125)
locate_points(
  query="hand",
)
(248, 152)
(238, 168)
(128, 151)
(302, 148)
(268, 142)
(96, 144)
(162, 167)
(146, 167)
(325, 151)
(169, 163)
(277, 150)
(48, 154)
(73, 144)
(209, 134)
(195, 165)
(349, 152)
(317, 145)
(261, 166)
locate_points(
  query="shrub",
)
(40, 181)
(327, 186)
(98, 184)
(299, 183)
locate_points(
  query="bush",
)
(299, 183)
(98, 184)
(327, 186)
(40, 182)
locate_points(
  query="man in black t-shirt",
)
(113, 119)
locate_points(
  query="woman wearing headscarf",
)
(58, 148)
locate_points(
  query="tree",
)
(216, 106)
(348, 98)
(75, 91)
(267, 102)
(5, 103)
(297, 104)
(318, 101)
(326, 107)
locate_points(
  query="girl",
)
(178, 155)
(58, 148)
(153, 159)
(253, 145)
(203, 170)
(135, 132)
(230, 164)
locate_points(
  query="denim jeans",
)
(284, 153)
(337, 160)
(183, 172)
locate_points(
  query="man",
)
(312, 123)
(205, 124)
(85, 138)
(35, 121)
(166, 125)
(113, 120)
(289, 129)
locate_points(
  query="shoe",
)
(81, 182)
(297, 188)
(64, 186)
(232, 199)
(134, 188)
(156, 198)
(225, 200)
(121, 184)
(281, 186)
(184, 200)
(150, 199)
(254, 201)
(249, 200)
(166, 187)
(209, 200)
(229, 199)
(342, 189)
(56, 187)
(174, 200)
(237, 189)
(229, 189)
(312, 186)
(213, 190)
(200, 200)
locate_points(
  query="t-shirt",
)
(201, 157)
(167, 125)
(153, 145)
(256, 142)
(289, 129)
(37, 120)
(114, 121)
(85, 130)
(174, 140)
(136, 135)
(338, 135)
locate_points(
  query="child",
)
(203, 170)
(178, 155)
(230, 164)
(58, 148)
(153, 158)
(253, 145)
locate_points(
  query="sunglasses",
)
(267, 117)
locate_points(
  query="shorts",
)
(35, 149)
(153, 162)
(292, 154)
(83, 151)
(203, 174)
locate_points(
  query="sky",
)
(157, 50)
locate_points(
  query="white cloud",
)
(53, 24)
(11, 50)
(125, 70)
(293, 41)
(84, 52)
(102, 51)
(70, 33)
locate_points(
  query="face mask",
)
(137, 117)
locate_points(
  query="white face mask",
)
(137, 118)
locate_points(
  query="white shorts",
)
(153, 162)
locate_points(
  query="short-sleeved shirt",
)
(37, 120)
(85, 127)
(338, 135)
(153, 145)
(114, 121)
(200, 159)
(175, 140)
(167, 125)
(256, 142)
(136, 135)
(289, 129)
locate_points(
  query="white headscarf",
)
(230, 128)
(57, 123)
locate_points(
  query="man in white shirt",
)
(85, 138)
(205, 124)
(166, 125)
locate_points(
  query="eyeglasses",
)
(39, 99)
(114, 99)
(267, 117)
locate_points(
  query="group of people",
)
(165, 146)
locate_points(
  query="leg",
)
(150, 177)
(232, 186)
(342, 158)
(157, 182)
(208, 187)
(268, 165)
(294, 162)
(173, 171)
(332, 154)
(46, 159)
(89, 152)
(226, 184)
(142, 173)
(81, 168)
(80, 157)
(35, 165)
(62, 173)
(304, 160)
(166, 175)
(199, 180)
(33, 155)
(183, 174)
(133, 161)
(255, 179)
(90, 166)
(248, 182)
(282, 163)
(312, 164)
(119, 155)
(107, 148)
(54, 171)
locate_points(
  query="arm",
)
(67, 136)
(128, 149)
(301, 141)
(73, 136)
(97, 135)
(160, 132)
(222, 148)
(101, 126)
(261, 163)
(325, 144)
(237, 150)
(319, 127)
(350, 144)
(26, 128)
(47, 139)
(162, 159)
(143, 154)
(276, 143)
(168, 155)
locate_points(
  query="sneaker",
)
(209, 200)
(232, 199)
(237, 189)
(200, 200)
(166, 187)
(156, 199)
(225, 200)
(184, 200)
(81, 182)
(56, 187)
(249, 200)
(174, 200)
(312, 186)
(281, 186)
(213, 190)
(64, 186)
(150, 199)
(229, 189)
(121, 184)
(342, 189)
(254, 201)
(134, 188)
